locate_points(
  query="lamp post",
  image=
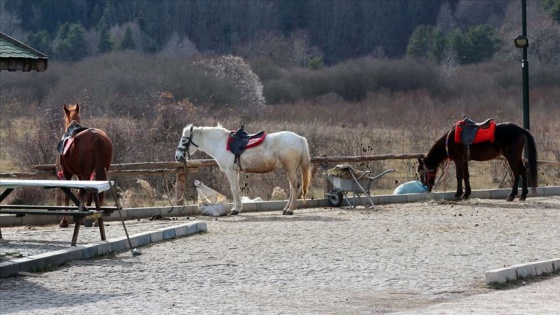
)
(522, 41)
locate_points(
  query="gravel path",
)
(419, 258)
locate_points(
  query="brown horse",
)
(509, 141)
(84, 152)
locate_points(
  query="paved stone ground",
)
(421, 258)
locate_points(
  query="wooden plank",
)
(133, 169)
(51, 208)
(98, 185)
(43, 212)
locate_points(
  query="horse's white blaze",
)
(283, 149)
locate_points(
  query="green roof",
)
(15, 55)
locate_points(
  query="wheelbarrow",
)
(357, 184)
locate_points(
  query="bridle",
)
(188, 143)
(426, 176)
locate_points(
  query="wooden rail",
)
(158, 168)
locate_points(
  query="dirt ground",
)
(418, 258)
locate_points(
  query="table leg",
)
(76, 230)
(96, 201)
(71, 195)
(5, 193)
(101, 229)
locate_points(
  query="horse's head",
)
(71, 113)
(427, 175)
(184, 147)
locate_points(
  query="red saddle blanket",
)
(251, 143)
(482, 134)
(67, 144)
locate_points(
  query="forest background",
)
(354, 77)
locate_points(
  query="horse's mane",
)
(218, 126)
(437, 152)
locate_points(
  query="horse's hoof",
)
(63, 224)
(234, 212)
(510, 198)
(522, 198)
(466, 197)
(287, 212)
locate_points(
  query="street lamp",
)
(521, 41)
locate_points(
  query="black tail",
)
(532, 156)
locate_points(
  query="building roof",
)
(15, 55)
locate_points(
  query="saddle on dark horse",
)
(470, 132)
(240, 140)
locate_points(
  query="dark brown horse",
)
(509, 141)
(84, 152)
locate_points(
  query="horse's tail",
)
(532, 159)
(305, 168)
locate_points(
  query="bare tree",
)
(544, 42)
(241, 75)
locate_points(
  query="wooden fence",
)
(181, 170)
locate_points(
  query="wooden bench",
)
(79, 211)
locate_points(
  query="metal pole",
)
(525, 67)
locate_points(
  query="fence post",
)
(180, 186)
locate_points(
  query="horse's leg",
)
(292, 201)
(466, 177)
(233, 178)
(518, 170)
(522, 170)
(459, 173)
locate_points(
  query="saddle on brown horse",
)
(70, 133)
(469, 132)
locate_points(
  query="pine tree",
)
(72, 43)
(128, 41)
(105, 44)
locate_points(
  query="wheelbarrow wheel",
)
(335, 198)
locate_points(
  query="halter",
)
(187, 145)
(427, 174)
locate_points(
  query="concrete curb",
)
(86, 251)
(522, 271)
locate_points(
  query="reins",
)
(444, 173)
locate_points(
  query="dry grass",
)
(145, 122)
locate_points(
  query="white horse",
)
(283, 149)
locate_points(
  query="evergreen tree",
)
(481, 43)
(105, 44)
(553, 8)
(40, 41)
(455, 42)
(128, 41)
(419, 43)
(427, 42)
(72, 45)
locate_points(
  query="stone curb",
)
(522, 271)
(86, 251)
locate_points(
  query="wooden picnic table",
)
(79, 211)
